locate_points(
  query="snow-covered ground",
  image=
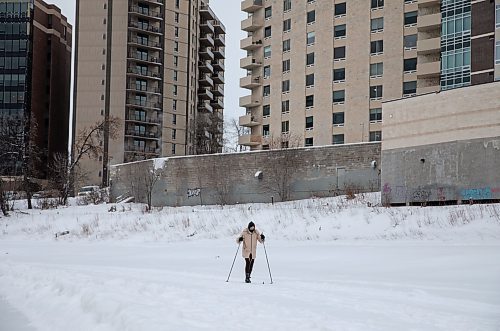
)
(336, 265)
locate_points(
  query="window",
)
(267, 51)
(376, 70)
(409, 88)
(309, 122)
(176, 46)
(286, 45)
(177, 4)
(376, 92)
(309, 142)
(377, 24)
(311, 38)
(285, 86)
(267, 32)
(176, 18)
(286, 65)
(265, 130)
(376, 115)
(339, 31)
(311, 17)
(310, 80)
(377, 47)
(285, 127)
(310, 101)
(340, 9)
(339, 96)
(338, 139)
(174, 119)
(377, 4)
(266, 90)
(268, 12)
(176, 32)
(339, 75)
(176, 60)
(338, 119)
(411, 18)
(410, 64)
(287, 5)
(339, 53)
(410, 41)
(497, 52)
(310, 59)
(287, 25)
(174, 134)
(285, 106)
(267, 71)
(497, 16)
(375, 135)
(266, 110)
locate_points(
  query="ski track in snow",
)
(336, 265)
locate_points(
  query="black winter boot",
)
(247, 279)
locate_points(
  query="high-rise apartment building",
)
(35, 80)
(157, 66)
(318, 71)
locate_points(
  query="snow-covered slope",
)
(315, 219)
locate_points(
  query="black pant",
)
(249, 264)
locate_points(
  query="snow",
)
(336, 264)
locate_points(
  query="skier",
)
(249, 236)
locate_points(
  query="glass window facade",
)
(455, 43)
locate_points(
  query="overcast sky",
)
(230, 14)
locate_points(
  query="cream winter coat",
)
(249, 242)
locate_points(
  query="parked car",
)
(87, 190)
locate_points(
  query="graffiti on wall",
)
(195, 192)
(476, 193)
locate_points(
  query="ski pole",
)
(239, 244)
(269, 268)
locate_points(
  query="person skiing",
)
(249, 236)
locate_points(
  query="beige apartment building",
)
(157, 66)
(318, 71)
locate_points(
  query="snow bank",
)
(314, 219)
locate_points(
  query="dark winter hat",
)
(251, 226)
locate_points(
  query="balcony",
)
(218, 78)
(249, 140)
(141, 150)
(218, 65)
(248, 102)
(206, 12)
(429, 69)
(429, 22)
(207, 27)
(220, 40)
(144, 104)
(219, 28)
(206, 67)
(248, 121)
(251, 6)
(427, 46)
(143, 119)
(143, 43)
(219, 53)
(218, 103)
(206, 80)
(207, 54)
(145, 12)
(252, 23)
(205, 94)
(140, 58)
(142, 134)
(140, 88)
(155, 2)
(205, 107)
(249, 63)
(250, 43)
(207, 41)
(132, 71)
(218, 90)
(250, 82)
(135, 25)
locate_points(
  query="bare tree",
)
(209, 133)
(3, 199)
(283, 165)
(87, 144)
(232, 132)
(143, 177)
